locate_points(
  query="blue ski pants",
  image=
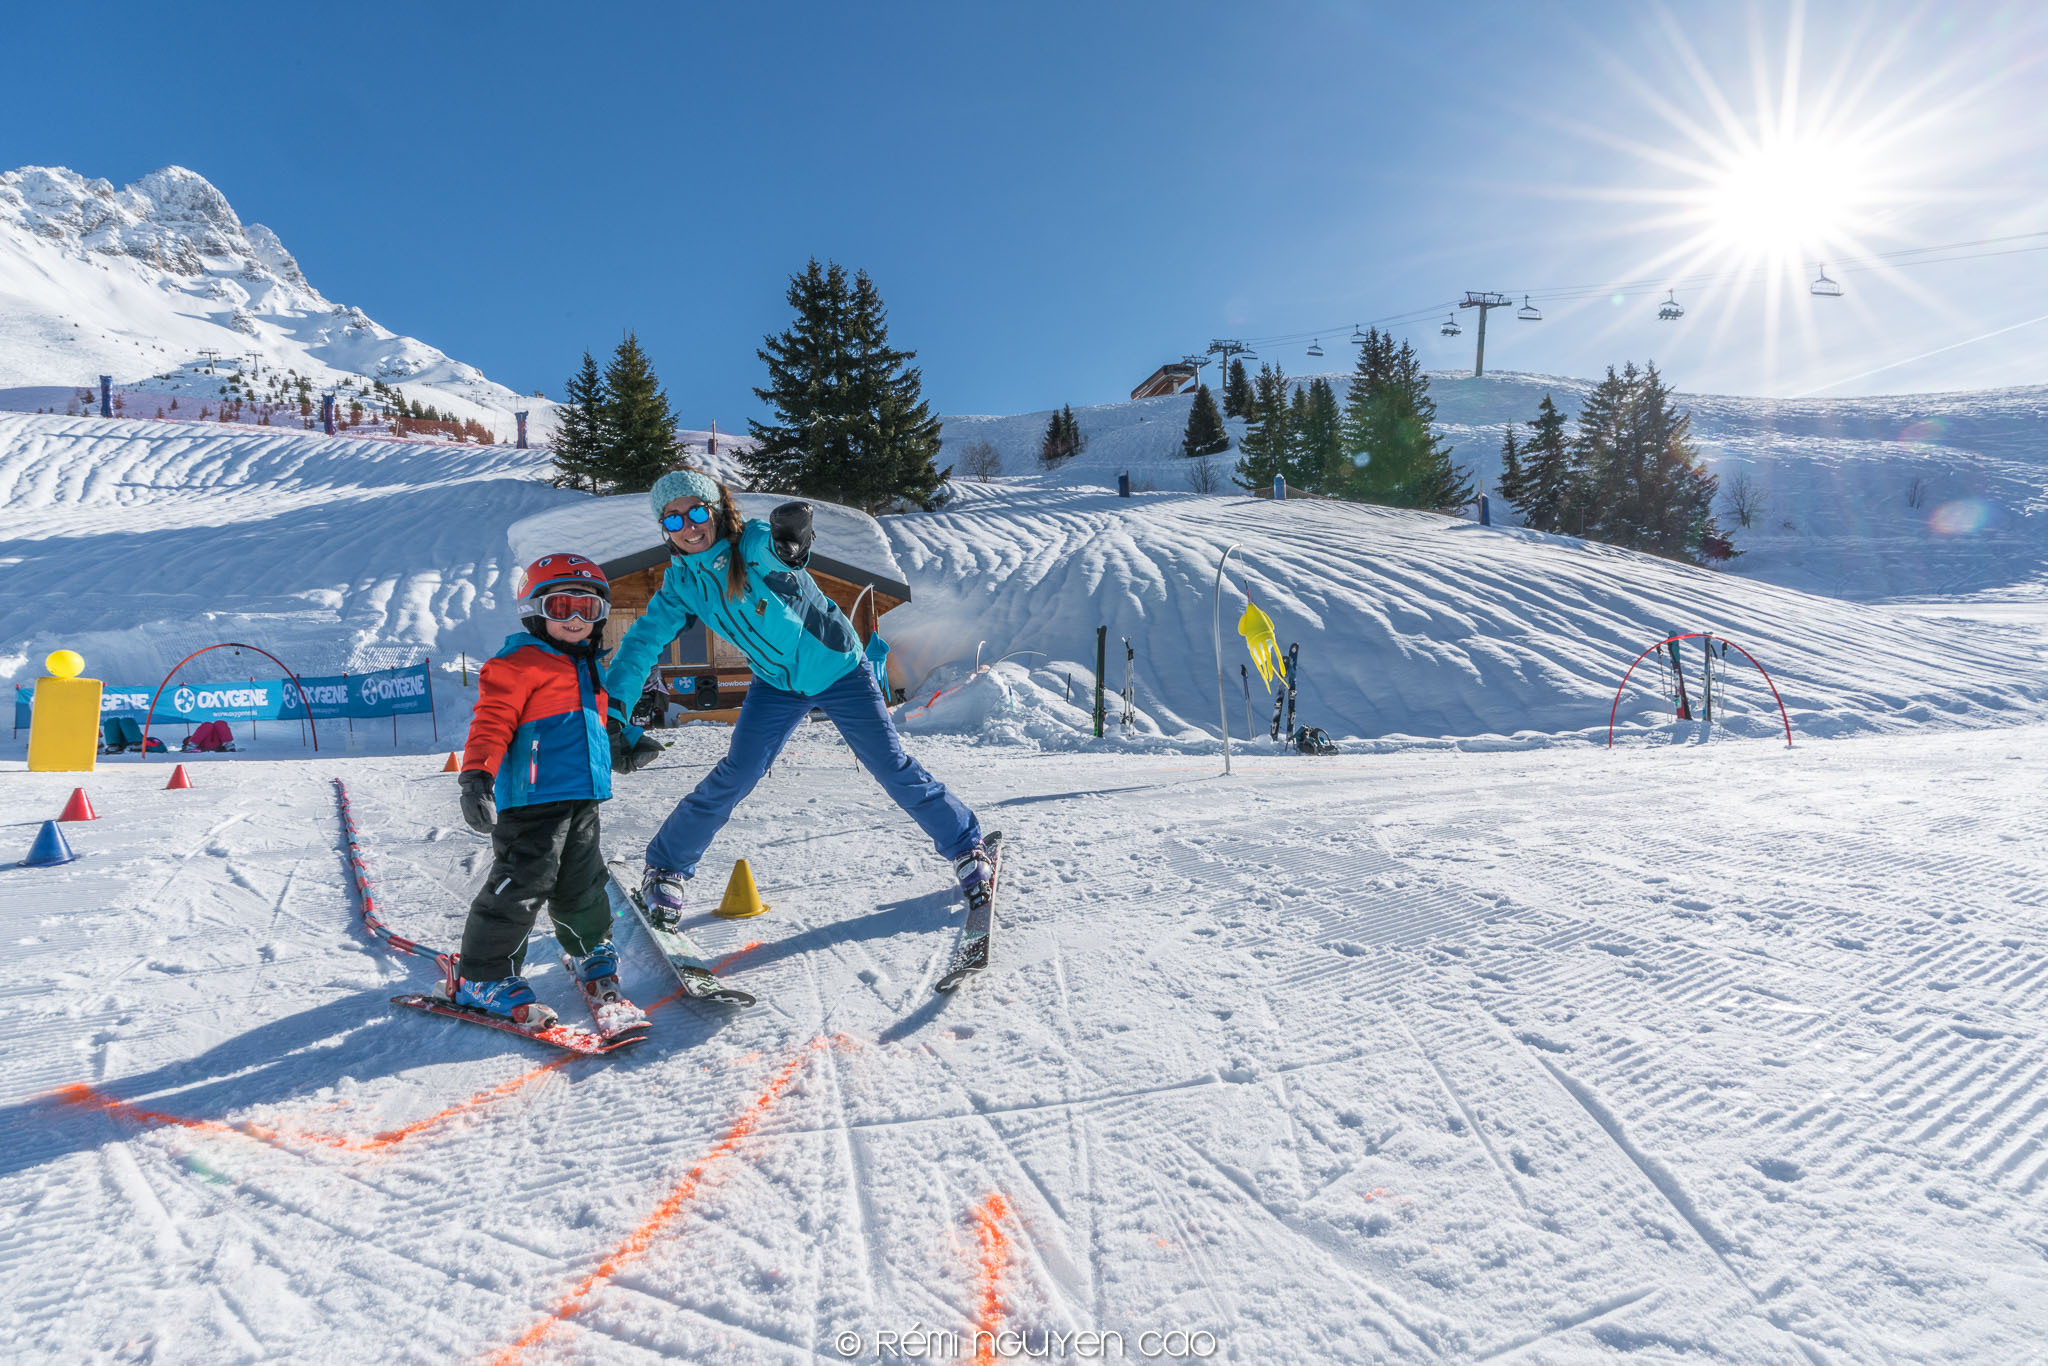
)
(767, 719)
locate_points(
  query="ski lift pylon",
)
(1825, 287)
(1670, 310)
(1450, 327)
(1528, 312)
(1315, 348)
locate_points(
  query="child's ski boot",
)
(509, 998)
(597, 977)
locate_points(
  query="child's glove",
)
(630, 758)
(790, 526)
(479, 804)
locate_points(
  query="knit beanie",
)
(682, 484)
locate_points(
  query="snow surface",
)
(1478, 1042)
(1726, 1052)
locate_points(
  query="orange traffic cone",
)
(178, 779)
(742, 898)
(454, 765)
(79, 808)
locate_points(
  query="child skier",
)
(746, 581)
(534, 768)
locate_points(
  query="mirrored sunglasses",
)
(674, 521)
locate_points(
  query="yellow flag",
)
(1257, 629)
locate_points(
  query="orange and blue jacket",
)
(538, 726)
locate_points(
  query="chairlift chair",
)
(1825, 287)
(1528, 312)
(1669, 310)
(1315, 348)
(1358, 337)
(1450, 327)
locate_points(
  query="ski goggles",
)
(574, 607)
(695, 516)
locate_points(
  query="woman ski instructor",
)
(746, 581)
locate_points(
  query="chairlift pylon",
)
(1315, 348)
(1450, 327)
(1825, 287)
(1670, 310)
(1528, 312)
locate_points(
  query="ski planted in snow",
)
(693, 974)
(970, 955)
(618, 1020)
(1283, 696)
(1293, 681)
(1678, 676)
(558, 1035)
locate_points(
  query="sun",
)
(1785, 200)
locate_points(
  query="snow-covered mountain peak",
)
(143, 281)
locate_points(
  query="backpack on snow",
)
(1314, 740)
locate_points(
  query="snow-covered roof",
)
(620, 534)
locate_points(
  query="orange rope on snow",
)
(671, 1205)
(995, 1253)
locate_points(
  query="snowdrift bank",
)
(1411, 625)
(143, 541)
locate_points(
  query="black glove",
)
(634, 757)
(479, 804)
(790, 525)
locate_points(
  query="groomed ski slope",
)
(1724, 1052)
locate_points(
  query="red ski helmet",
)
(563, 571)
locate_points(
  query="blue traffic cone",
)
(50, 848)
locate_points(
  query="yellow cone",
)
(741, 899)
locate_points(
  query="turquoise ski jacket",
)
(794, 636)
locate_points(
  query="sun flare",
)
(1787, 200)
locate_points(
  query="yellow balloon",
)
(64, 663)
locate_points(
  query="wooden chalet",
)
(1167, 379)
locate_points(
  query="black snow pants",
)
(542, 853)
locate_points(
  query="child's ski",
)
(558, 1035)
(970, 955)
(617, 1019)
(698, 981)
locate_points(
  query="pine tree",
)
(1636, 479)
(582, 442)
(1547, 472)
(1205, 434)
(1063, 438)
(1598, 471)
(1266, 446)
(1436, 482)
(1237, 392)
(851, 421)
(1513, 483)
(640, 427)
(1319, 463)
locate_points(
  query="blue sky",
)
(1056, 198)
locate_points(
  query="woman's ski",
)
(698, 981)
(971, 954)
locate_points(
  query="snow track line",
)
(988, 1218)
(1612, 1305)
(1457, 1098)
(1674, 1196)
